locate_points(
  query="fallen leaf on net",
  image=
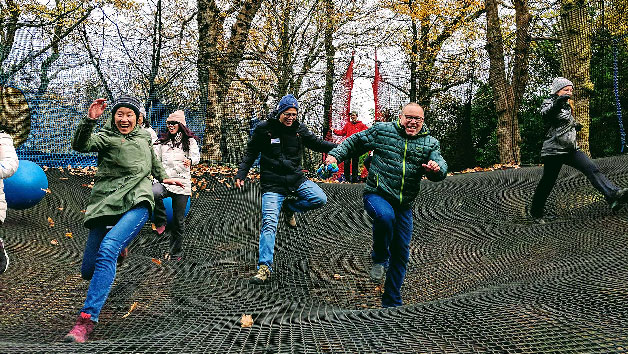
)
(379, 289)
(54, 242)
(131, 309)
(246, 321)
(337, 276)
(152, 226)
(68, 234)
(47, 190)
(51, 223)
(60, 208)
(156, 261)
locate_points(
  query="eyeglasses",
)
(172, 123)
(417, 118)
(290, 115)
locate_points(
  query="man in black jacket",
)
(280, 141)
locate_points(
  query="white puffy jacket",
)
(172, 159)
(8, 166)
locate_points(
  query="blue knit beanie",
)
(287, 101)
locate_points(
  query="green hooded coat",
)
(125, 164)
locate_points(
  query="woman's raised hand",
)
(97, 108)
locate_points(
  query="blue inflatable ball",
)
(26, 187)
(168, 205)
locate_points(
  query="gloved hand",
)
(326, 171)
(562, 99)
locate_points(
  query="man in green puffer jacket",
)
(403, 152)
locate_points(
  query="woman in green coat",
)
(121, 198)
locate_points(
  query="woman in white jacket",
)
(8, 166)
(178, 150)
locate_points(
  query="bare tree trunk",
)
(330, 51)
(575, 38)
(508, 96)
(217, 64)
(414, 56)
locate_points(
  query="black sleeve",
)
(253, 148)
(313, 142)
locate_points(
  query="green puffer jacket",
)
(396, 169)
(125, 164)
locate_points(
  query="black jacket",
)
(281, 148)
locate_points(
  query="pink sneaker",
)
(160, 229)
(81, 330)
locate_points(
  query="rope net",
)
(480, 278)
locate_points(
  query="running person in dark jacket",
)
(403, 152)
(280, 141)
(560, 148)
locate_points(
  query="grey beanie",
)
(559, 83)
(128, 102)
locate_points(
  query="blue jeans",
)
(392, 232)
(101, 254)
(309, 196)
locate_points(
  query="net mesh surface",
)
(481, 277)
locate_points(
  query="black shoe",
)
(377, 272)
(619, 200)
(4, 258)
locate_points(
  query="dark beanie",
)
(128, 102)
(287, 101)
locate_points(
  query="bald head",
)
(411, 118)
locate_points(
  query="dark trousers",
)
(179, 202)
(577, 160)
(392, 233)
(352, 166)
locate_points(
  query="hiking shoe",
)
(289, 219)
(619, 200)
(160, 230)
(81, 330)
(122, 256)
(262, 276)
(4, 258)
(377, 272)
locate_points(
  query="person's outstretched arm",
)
(85, 140)
(356, 144)
(313, 142)
(436, 167)
(253, 149)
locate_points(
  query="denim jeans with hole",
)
(392, 232)
(101, 254)
(309, 196)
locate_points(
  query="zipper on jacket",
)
(403, 174)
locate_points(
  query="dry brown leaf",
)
(54, 242)
(64, 178)
(60, 208)
(337, 276)
(51, 223)
(246, 321)
(83, 211)
(68, 234)
(47, 190)
(156, 261)
(131, 309)
(152, 226)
